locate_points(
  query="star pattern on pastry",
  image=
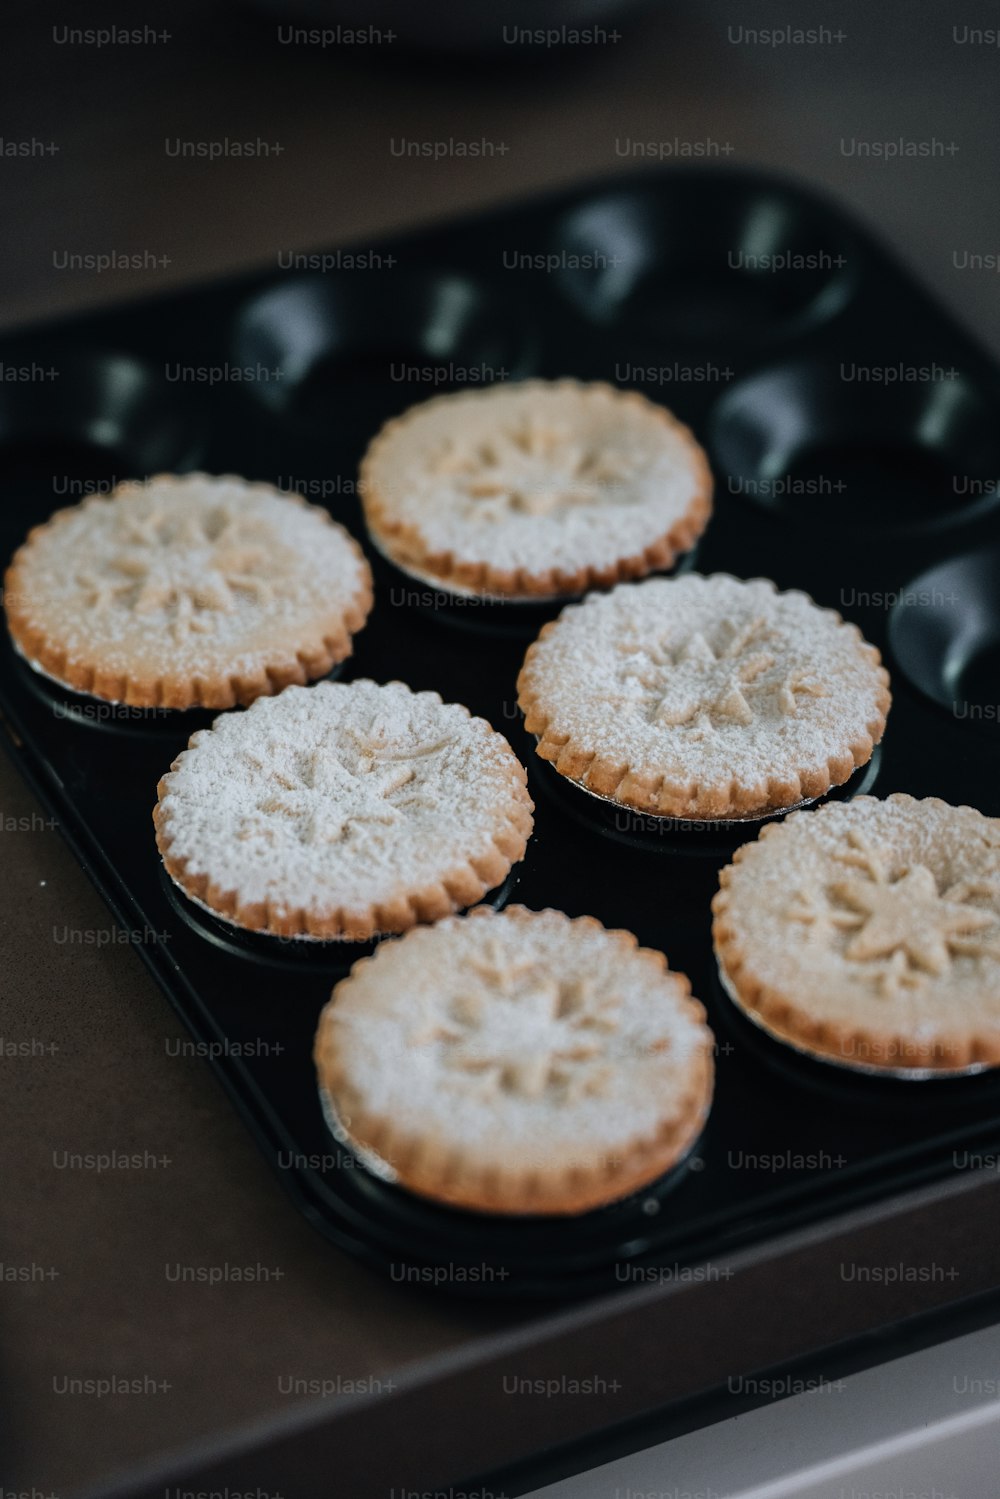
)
(901, 926)
(518, 1028)
(340, 791)
(534, 468)
(190, 565)
(689, 683)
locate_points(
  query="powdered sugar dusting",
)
(516, 1036)
(339, 797)
(537, 475)
(187, 576)
(705, 679)
(878, 913)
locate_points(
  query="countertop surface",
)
(98, 1264)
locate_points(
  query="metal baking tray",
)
(853, 433)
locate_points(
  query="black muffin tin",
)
(854, 435)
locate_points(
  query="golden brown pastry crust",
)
(404, 544)
(862, 1037)
(634, 781)
(225, 882)
(158, 677)
(435, 1164)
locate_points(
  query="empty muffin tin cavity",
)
(814, 442)
(944, 634)
(350, 349)
(709, 261)
(78, 423)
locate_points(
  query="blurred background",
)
(690, 80)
